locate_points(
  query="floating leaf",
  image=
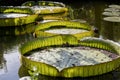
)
(18, 20)
(81, 71)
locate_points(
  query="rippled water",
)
(11, 38)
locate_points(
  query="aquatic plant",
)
(81, 71)
(112, 19)
(41, 28)
(43, 3)
(17, 21)
(15, 9)
(29, 3)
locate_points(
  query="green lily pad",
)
(111, 14)
(112, 19)
(114, 6)
(112, 9)
(23, 72)
(15, 9)
(18, 21)
(84, 28)
(58, 41)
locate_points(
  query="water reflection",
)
(92, 13)
(17, 30)
(83, 11)
(3, 67)
(9, 55)
(110, 23)
(111, 30)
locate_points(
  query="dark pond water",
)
(12, 37)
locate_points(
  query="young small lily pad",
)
(112, 19)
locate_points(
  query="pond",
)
(12, 37)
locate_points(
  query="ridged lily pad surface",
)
(75, 28)
(33, 12)
(16, 16)
(13, 19)
(109, 48)
(43, 3)
(15, 9)
(46, 7)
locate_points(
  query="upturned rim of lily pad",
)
(43, 3)
(78, 71)
(40, 28)
(46, 7)
(16, 9)
(18, 21)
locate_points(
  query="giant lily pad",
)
(73, 71)
(14, 19)
(51, 3)
(75, 28)
(43, 3)
(16, 16)
(29, 3)
(15, 9)
(48, 9)
(23, 72)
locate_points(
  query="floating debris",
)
(70, 57)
